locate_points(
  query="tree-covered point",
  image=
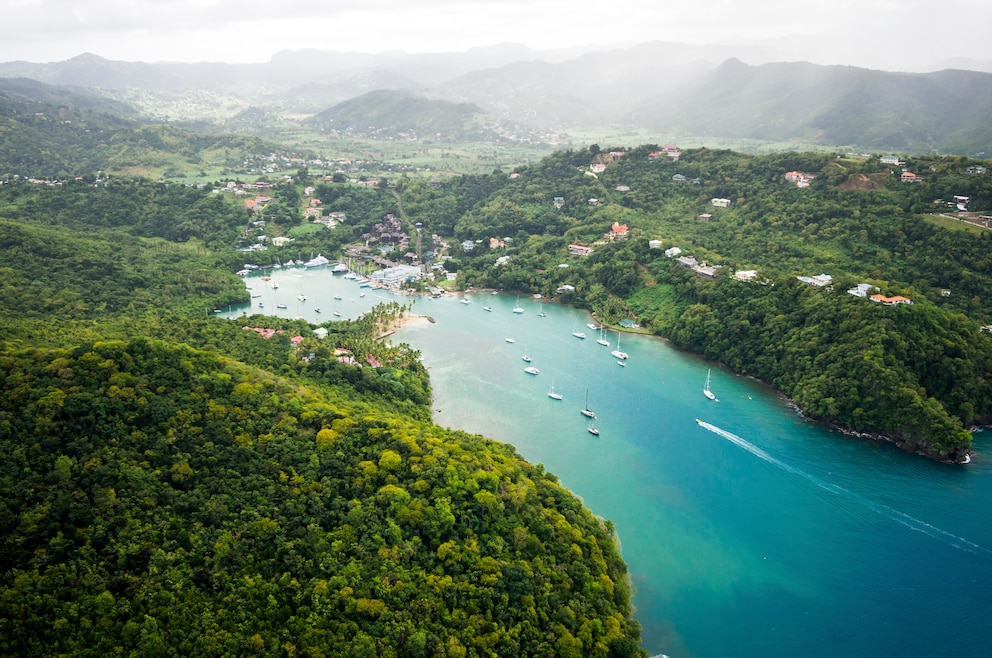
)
(159, 500)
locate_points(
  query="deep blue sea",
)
(752, 534)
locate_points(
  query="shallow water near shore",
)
(752, 534)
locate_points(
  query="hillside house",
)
(705, 217)
(623, 189)
(891, 301)
(820, 280)
(672, 252)
(597, 167)
(706, 270)
(720, 203)
(678, 178)
(579, 250)
(745, 275)
(654, 244)
(619, 231)
(890, 160)
(559, 201)
(910, 177)
(801, 179)
(861, 290)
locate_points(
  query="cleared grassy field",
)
(955, 224)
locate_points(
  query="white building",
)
(861, 290)
(394, 276)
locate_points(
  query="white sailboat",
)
(706, 388)
(526, 357)
(586, 411)
(617, 353)
(602, 339)
(552, 394)
(592, 429)
(541, 313)
(578, 334)
(516, 306)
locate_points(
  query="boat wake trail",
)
(884, 510)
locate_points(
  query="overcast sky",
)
(253, 30)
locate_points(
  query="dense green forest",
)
(160, 500)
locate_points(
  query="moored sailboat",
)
(706, 388)
(617, 353)
(586, 411)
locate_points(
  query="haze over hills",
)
(690, 92)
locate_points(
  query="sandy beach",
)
(405, 321)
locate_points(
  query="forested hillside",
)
(832, 105)
(404, 115)
(158, 500)
(55, 133)
(172, 483)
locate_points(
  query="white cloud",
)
(252, 30)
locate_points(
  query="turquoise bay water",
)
(756, 534)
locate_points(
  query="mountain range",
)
(683, 92)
